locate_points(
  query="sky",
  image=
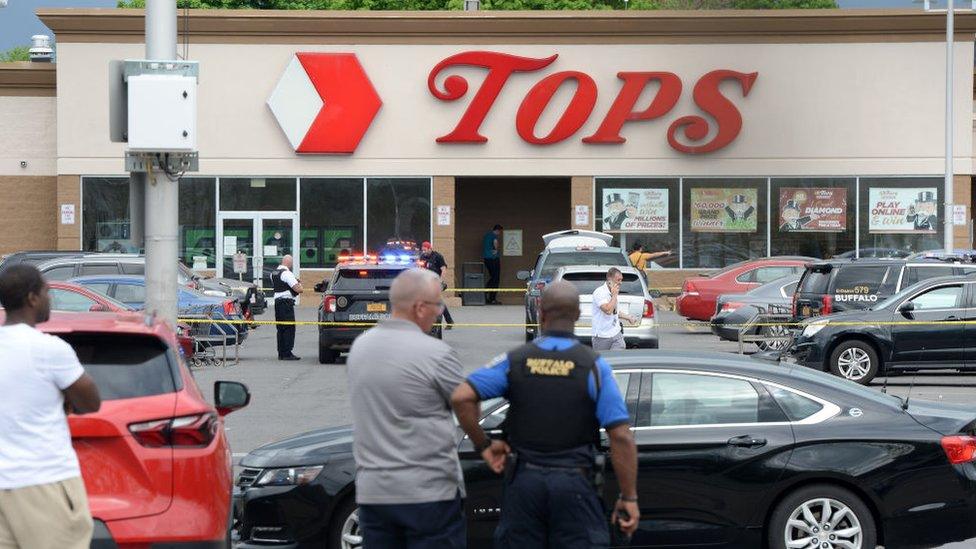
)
(18, 23)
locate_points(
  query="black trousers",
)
(285, 311)
(435, 525)
(494, 267)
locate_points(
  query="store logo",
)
(694, 129)
(324, 102)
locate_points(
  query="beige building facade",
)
(325, 133)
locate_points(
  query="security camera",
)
(23, 163)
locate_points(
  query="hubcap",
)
(825, 524)
(854, 363)
(351, 536)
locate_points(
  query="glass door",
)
(263, 238)
(236, 235)
(277, 241)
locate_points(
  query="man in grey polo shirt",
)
(409, 485)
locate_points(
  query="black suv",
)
(357, 293)
(851, 284)
(925, 326)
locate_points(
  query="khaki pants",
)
(609, 343)
(47, 516)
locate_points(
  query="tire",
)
(857, 523)
(529, 335)
(855, 360)
(327, 356)
(341, 526)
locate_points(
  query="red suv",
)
(155, 459)
(699, 294)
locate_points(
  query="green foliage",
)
(19, 53)
(493, 4)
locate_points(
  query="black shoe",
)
(289, 357)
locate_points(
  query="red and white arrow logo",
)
(324, 102)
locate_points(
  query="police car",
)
(358, 294)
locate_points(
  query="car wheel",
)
(773, 331)
(529, 335)
(855, 360)
(327, 356)
(344, 532)
(822, 516)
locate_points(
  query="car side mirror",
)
(523, 275)
(321, 287)
(230, 396)
(906, 307)
(97, 308)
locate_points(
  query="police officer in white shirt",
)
(607, 332)
(286, 286)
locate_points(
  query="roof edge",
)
(23, 78)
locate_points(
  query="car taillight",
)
(648, 308)
(959, 448)
(229, 308)
(186, 431)
(731, 306)
(827, 305)
(689, 288)
(329, 304)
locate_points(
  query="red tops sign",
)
(687, 134)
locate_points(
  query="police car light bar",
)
(375, 259)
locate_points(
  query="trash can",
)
(473, 276)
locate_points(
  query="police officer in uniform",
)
(286, 287)
(560, 393)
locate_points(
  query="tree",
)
(493, 4)
(19, 53)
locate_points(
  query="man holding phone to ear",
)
(608, 335)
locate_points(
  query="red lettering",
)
(622, 109)
(709, 99)
(575, 115)
(500, 66)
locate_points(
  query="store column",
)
(444, 216)
(69, 197)
(581, 196)
(962, 194)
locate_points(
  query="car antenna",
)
(904, 405)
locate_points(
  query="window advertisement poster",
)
(812, 210)
(723, 210)
(635, 210)
(903, 210)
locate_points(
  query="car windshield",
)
(834, 382)
(365, 279)
(772, 289)
(581, 258)
(814, 281)
(587, 282)
(124, 366)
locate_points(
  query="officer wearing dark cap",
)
(560, 394)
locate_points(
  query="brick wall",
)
(28, 213)
(581, 194)
(69, 192)
(443, 238)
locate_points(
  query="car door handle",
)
(747, 441)
(952, 318)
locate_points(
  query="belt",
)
(285, 298)
(582, 470)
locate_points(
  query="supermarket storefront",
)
(718, 137)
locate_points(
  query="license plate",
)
(806, 311)
(367, 317)
(376, 307)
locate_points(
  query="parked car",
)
(155, 458)
(843, 285)
(875, 253)
(72, 266)
(131, 290)
(32, 257)
(732, 453)
(358, 293)
(634, 299)
(565, 249)
(699, 294)
(958, 255)
(734, 311)
(923, 327)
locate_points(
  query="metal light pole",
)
(948, 244)
(161, 193)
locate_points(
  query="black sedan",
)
(733, 452)
(923, 327)
(734, 311)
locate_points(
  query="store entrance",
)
(527, 207)
(263, 238)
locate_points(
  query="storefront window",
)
(900, 215)
(643, 211)
(725, 221)
(331, 220)
(198, 222)
(105, 215)
(397, 209)
(813, 217)
(257, 194)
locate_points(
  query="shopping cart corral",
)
(769, 328)
(212, 338)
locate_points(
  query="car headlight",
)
(288, 476)
(811, 329)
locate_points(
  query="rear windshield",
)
(125, 366)
(860, 280)
(586, 283)
(582, 258)
(814, 282)
(365, 279)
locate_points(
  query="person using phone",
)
(607, 332)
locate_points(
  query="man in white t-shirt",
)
(43, 504)
(607, 333)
